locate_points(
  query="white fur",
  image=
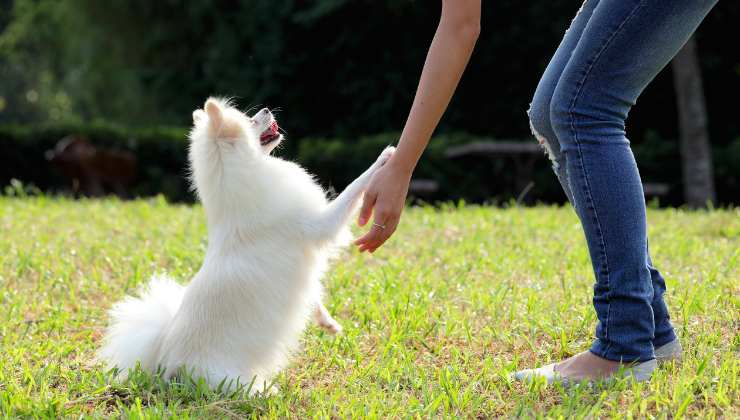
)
(271, 232)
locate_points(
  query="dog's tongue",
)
(271, 131)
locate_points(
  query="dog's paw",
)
(331, 326)
(268, 391)
(385, 155)
(261, 388)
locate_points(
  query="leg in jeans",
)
(605, 60)
(539, 114)
(664, 333)
(623, 46)
(539, 110)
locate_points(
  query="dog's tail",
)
(137, 324)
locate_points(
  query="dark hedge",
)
(162, 163)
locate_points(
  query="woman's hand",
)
(385, 196)
(448, 55)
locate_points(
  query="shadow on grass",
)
(141, 389)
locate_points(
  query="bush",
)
(162, 163)
(473, 179)
(161, 154)
(727, 172)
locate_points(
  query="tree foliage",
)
(336, 67)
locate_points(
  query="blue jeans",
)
(611, 52)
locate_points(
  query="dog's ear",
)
(198, 115)
(215, 114)
(221, 124)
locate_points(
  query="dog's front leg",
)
(337, 213)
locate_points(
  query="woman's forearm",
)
(446, 60)
(448, 55)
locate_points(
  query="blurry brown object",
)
(93, 171)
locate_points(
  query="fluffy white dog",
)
(271, 232)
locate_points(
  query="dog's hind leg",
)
(325, 320)
(335, 216)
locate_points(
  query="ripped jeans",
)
(611, 52)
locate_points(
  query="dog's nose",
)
(264, 112)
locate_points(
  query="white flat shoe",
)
(669, 352)
(548, 372)
(639, 372)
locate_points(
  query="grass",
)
(434, 322)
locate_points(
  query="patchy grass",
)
(434, 322)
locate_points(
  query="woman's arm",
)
(448, 55)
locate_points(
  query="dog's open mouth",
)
(271, 134)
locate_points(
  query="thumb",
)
(368, 202)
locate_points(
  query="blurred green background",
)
(128, 74)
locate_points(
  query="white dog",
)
(271, 232)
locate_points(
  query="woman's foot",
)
(590, 367)
(587, 366)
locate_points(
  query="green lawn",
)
(434, 322)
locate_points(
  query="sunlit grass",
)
(434, 322)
